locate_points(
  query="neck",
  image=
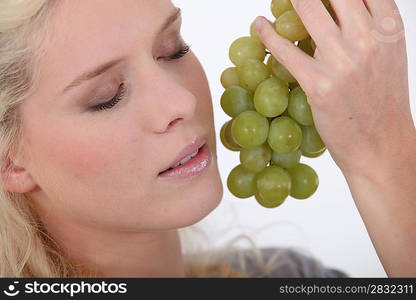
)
(121, 254)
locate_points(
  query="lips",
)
(187, 153)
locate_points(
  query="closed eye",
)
(181, 53)
(109, 104)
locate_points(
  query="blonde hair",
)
(26, 249)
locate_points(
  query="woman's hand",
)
(357, 87)
(357, 83)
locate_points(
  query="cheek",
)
(198, 85)
(94, 175)
(94, 159)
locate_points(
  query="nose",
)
(169, 102)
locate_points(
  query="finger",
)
(319, 23)
(387, 22)
(298, 63)
(381, 7)
(353, 16)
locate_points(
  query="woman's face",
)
(100, 167)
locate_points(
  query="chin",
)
(198, 202)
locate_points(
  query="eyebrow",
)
(101, 69)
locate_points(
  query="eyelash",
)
(122, 88)
(181, 53)
(108, 105)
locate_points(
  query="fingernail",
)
(259, 23)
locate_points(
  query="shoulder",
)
(279, 262)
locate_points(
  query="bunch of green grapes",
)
(271, 121)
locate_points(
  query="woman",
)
(100, 101)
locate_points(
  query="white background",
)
(327, 225)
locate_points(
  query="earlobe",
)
(16, 179)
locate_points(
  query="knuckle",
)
(348, 69)
(345, 65)
(320, 90)
(366, 45)
(365, 50)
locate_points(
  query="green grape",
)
(241, 183)
(271, 97)
(307, 46)
(299, 108)
(229, 77)
(267, 204)
(279, 7)
(313, 155)
(288, 160)
(290, 26)
(332, 12)
(293, 85)
(235, 100)
(279, 71)
(285, 135)
(304, 180)
(312, 142)
(272, 123)
(326, 3)
(313, 44)
(250, 129)
(246, 48)
(256, 159)
(226, 137)
(251, 73)
(286, 113)
(273, 184)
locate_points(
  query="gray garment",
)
(287, 263)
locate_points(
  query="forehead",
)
(89, 31)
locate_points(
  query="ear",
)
(16, 179)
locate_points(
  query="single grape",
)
(271, 97)
(226, 137)
(267, 204)
(279, 71)
(278, 7)
(250, 129)
(256, 159)
(235, 100)
(251, 73)
(312, 142)
(293, 85)
(326, 3)
(273, 184)
(313, 45)
(332, 12)
(229, 77)
(313, 155)
(299, 108)
(304, 180)
(290, 26)
(308, 46)
(246, 48)
(285, 135)
(288, 160)
(241, 183)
